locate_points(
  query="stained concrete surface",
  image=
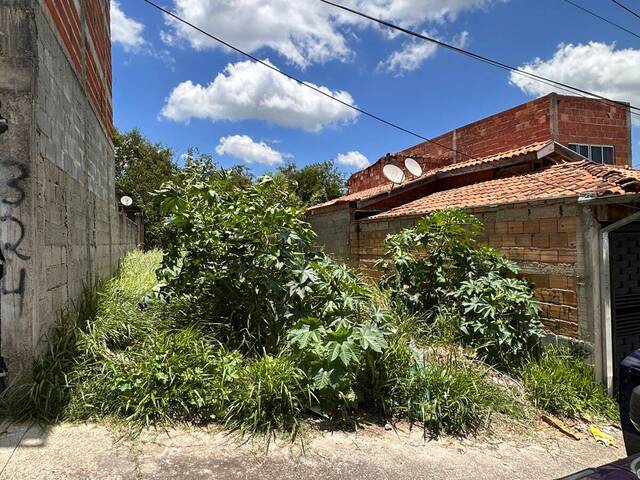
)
(95, 452)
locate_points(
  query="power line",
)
(626, 8)
(271, 67)
(504, 66)
(594, 14)
(305, 84)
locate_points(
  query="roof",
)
(561, 180)
(540, 148)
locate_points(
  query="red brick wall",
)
(519, 126)
(563, 118)
(587, 121)
(542, 238)
(83, 29)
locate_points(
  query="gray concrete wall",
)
(60, 229)
(333, 228)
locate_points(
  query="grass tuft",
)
(561, 383)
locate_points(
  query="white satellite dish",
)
(414, 167)
(126, 201)
(393, 174)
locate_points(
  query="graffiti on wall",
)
(12, 196)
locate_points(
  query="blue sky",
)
(176, 87)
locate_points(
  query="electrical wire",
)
(635, 14)
(305, 84)
(594, 14)
(271, 67)
(495, 63)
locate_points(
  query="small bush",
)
(270, 395)
(437, 270)
(500, 319)
(562, 384)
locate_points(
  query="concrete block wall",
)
(332, 227)
(60, 229)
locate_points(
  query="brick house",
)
(552, 184)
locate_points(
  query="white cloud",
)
(245, 148)
(415, 52)
(303, 32)
(596, 67)
(353, 159)
(247, 90)
(124, 30)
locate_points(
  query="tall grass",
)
(562, 383)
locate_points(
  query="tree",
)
(141, 168)
(315, 183)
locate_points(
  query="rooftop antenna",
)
(414, 167)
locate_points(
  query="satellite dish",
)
(414, 167)
(393, 174)
(126, 201)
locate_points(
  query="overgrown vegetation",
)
(437, 268)
(561, 383)
(240, 321)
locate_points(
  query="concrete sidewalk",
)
(94, 452)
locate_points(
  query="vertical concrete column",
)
(17, 188)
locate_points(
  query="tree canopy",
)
(141, 169)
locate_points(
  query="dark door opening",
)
(624, 258)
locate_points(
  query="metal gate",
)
(624, 244)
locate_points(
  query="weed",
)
(561, 383)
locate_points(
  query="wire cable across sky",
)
(308, 85)
(560, 85)
(621, 5)
(594, 14)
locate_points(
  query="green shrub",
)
(438, 270)
(270, 395)
(561, 383)
(499, 318)
(333, 356)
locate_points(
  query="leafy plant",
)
(437, 269)
(333, 356)
(561, 383)
(499, 318)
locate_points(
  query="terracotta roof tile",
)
(516, 152)
(353, 197)
(370, 192)
(562, 180)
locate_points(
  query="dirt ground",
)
(373, 452)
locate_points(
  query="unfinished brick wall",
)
(83, 28)
(332, 227)
(562, 118)
(542, 238)
(582, 120)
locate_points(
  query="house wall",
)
(333, 229)
(587, 121)
(59, 225)
(562, 118)
(544, 238)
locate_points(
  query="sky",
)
(183, 90)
